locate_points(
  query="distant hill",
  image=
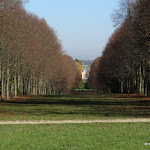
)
(86, 62)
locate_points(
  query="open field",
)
(96, 136)
(76, 107)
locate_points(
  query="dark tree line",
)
(31, 57)
(125, 64)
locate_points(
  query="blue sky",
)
(82, 26)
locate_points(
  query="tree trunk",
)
(128, 85)
(15, 85)
(148, 82)
(50, 89)
(141, 82)
(2, 83)
(121, 86)
(7, 86)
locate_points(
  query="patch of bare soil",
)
(18, 99)
(76, 121)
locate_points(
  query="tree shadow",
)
(88, 107)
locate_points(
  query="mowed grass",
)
(75, 107)
(97, 136)
(94, 136)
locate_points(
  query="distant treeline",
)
(86, 62)
(124, 66)
(31, 57)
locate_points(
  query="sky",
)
(82, 26)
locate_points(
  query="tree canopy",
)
(31, 56)
(125, 64)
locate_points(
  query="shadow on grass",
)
(59, 105)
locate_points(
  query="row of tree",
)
(31, 57)
(125, 64)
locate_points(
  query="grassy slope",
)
(75, 107)
(114, 136)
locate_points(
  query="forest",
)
(124, 66)
(32, 61)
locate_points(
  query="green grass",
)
(75, 107)
(95, 136)
(98, 136)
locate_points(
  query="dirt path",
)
(75, 121)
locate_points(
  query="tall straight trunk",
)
(145, 81)
(15, 85)
(29, 86)
(148, 79)
(7, 86)
(26, 85)
(21, 82)
(141, 80)
(54, 91)
(23, 86)
(128, 85)
(2, 84)
(121, 86)
(11, 88)
(145, 87)
(50, 89)
(15, 80)
(33, 85)
(148, 87)
(37, 87)
(135, 85)
(46, 88)
(19, 85)
(109, 91)
(2, 77)
(43, 88)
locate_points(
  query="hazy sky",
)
(83, 26)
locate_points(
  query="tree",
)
(31, 59)
(94, 76)
(79, 75)
(79, 61)
(124, 65)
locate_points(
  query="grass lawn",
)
(73, 107)
(97, 136)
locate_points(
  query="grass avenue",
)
(75, 136)
(76, 107)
